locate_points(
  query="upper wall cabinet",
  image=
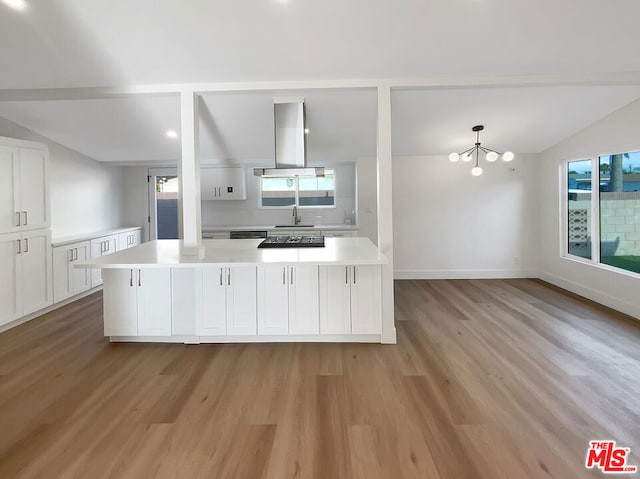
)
(23, 187)
(223, 184)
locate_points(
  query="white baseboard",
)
(463, 274)
(315, 338)
(632, 309)
(29, 317)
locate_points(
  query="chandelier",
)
(490, 155)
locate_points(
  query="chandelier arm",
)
(467, 151)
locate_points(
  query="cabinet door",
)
(232, 183)
(98, 245)
(154, 301)
(273, 298)
(10, 293)
(120, 303)
(209, 184)
(80, 277)
(123, 241)
(36, 271)
(214, 302)
(304, 312)
(34, 189)
(241, 300)
(335, 300)
(366, 306)
(136, 238)
(62, 272)
(10, 217)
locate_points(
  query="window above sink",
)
(300, 191)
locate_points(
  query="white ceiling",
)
(68, 43)
(92, 43)
(524, 120)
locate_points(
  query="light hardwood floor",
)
(489, 379)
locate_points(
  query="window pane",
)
(278, 191)
(317, 191)
(579, 208)
(620, 211)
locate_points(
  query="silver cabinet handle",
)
(354, 275)
(18, 218)
(26, 218)
(26, 245)
(101, 247)
(220, 191)
(346, 275)
(284, 273)
(108, 244)
(229, 277)
(220, 276)
(139, 278)
(291, 271)
(19, 246)
(75, 254)
(70, 255)
(131, 278)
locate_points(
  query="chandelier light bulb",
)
(453, 157)
(466, 157)
(508, 156)
(476, 171)
(492, 156)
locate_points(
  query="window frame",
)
(595, 259)
(297, 195)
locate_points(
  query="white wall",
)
(617, 132)
(135, 197)
(85, 194)
(367, 192)
(450, 224)
(248, 212)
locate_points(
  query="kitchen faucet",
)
(296, 219)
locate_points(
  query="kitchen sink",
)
(294, 226)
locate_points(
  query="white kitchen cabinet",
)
(101, 247)
(25, 273)
(129, 239)
(294, 232)
(288, 300)
(223, 184)
(137, 302)
(228, 301)
(339, 233)
(68, 280)
(10, 278)
(24, 188)
(350, 299)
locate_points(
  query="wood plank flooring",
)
(490, 379)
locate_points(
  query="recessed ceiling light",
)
(172, 134)
(16, 4)
(306, 130)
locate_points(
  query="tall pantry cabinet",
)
(25, 237)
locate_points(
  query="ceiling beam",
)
(433, 83)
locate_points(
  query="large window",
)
(613, 238)
(302, 191)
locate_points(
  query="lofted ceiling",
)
(73, 43)
(91, 43)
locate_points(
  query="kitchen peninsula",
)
(236, 292)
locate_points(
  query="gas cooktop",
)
(292, 242)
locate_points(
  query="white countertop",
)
(162, 253)
(64, 240)
(213, 229)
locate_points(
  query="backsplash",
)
(248, 212)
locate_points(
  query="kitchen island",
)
(234, 291)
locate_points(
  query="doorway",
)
(163, 203)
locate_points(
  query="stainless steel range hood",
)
(290, 141)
